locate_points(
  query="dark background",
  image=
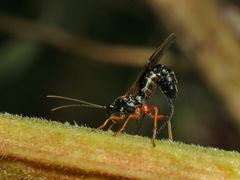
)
(30, 68)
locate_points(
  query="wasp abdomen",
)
(161, 76)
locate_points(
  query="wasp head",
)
(117, 107)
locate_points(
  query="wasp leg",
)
(110, 127)
(170, 136)
(154, 109)
(155, 118)
(104, 124)
(132, 116)
(138, 124)
(161, 118)
(113, 118)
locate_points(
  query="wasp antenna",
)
(76, 105)
(170, 102)
(65, 98)
(82, 103)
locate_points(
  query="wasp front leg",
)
(115, 119)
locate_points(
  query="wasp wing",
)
(153, 60)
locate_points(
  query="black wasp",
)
(134, 103)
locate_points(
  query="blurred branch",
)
(232, 16)
(205, 36)
(80, 47)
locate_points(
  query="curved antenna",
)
(75, 105)
(81, 103)
(170, 102)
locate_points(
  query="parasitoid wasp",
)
(133, 104)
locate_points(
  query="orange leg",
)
(113, 118)
(138, 124)
(161, 118)
(132, 116)
(110, 127)
(155, 118)
(170, 136)
(104, 124)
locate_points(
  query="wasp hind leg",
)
(170, 136)
(162, 118)
(156, 118)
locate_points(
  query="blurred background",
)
(93, 50)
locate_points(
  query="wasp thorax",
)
(124, 105)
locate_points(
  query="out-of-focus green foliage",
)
(16, 56)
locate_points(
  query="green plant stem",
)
(31, 148)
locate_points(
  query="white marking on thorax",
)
(151, 83)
